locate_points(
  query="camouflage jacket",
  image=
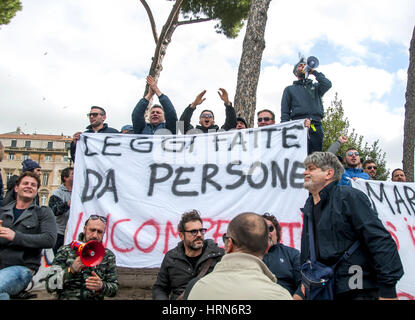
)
(69, 286)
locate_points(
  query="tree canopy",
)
(336, 124)
(8, 9)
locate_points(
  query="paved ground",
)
(135, 284)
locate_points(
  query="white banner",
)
(143, 184)
(394, 203)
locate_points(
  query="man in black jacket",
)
(97, 117)
(302, 100)
(25, 229)
(185, 262)
(207, 118)
(341, 215)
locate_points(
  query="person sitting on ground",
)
(241, 274)
(281, 260)
(207, 118)
(192, 256)
(25, 230)
(70, 279)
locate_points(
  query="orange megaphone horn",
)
(91, 252)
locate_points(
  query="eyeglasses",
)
(93, 114)
(96, 217)
(372, 167)
(225, 237)
(206, 115)
(350, 153)
(194, 232)
(264, 119)
(271, 228)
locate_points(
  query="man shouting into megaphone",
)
(77, 271)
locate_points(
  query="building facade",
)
(50, 151)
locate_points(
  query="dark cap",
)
(29, 165)
(242, 120)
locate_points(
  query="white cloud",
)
(60, 57)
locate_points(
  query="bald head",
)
(250, 232)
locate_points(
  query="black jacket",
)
(230, 120)
(284, 262)
(303, 99)
(104, 129)
(347, 216)
(176, 271)
(35, 230)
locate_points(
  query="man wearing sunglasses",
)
(265, 118)
(192, 256)
(370, 168)
(241, 274)
(70, 279)
(353, 169)
(162, 117)
(207, 118)
(97, 117)
(303, 100)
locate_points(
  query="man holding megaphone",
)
(84, 269)
(303, 100)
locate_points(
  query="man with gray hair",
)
(241, 274)
(340, 216)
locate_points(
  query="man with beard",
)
(207, 118)
(353, 168)
(162, 117)
(70, 279)
(192, 256)
(370, 168)
(303, 100)
(25, 229)
(97, 117)
(342, 218)
(398, 175)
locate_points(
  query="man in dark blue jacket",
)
(353, 168)
(340, 216)
(161, 117)
(302, 100)
(97, 117)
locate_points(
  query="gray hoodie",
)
(59, 204)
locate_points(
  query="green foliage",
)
(8, 9)
(230, 13)
(336, 124)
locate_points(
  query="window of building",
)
(27, 144)
(50, 145)
(45, 178)
(11, 156)
(48, 158)
(65, 158)
(13, 143)
(9, 175)
(25, 156)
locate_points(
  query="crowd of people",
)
(253, 264)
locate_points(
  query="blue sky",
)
(60, 57)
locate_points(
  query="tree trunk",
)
(409, 125)
(250, 64)
(163, 41)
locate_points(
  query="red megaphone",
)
(91, 252)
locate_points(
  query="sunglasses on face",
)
(225, 237)
(271, 228)
(350, 153)
(206, 115)
(194, 232)
(372, 167)
(264, 119)
(93, 114)
(96, 217)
